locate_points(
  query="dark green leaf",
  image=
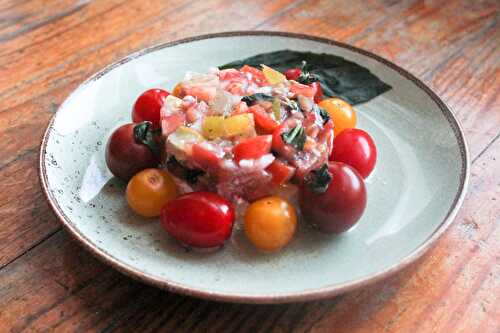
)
(338, 76)
(295, 137)
(305, 76)
(324, 115)
(179, 170)
(320, 179)
(252, 99)
(145, 134)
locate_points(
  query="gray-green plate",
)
(413, 195)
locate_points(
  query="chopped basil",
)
(324, 115)
(305, 76)
(338, 77)
(252, 99)
(145, 134)
(295, 137)
(181, 171)
(320, 179)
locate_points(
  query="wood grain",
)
(47, 282)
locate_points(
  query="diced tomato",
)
(253, 148)
(204, 158)
(202, 93)
(229, 74)
(280, 171)
(302, 89)
(257, 75)
(265, 124)
(236, 88)
(240, 108)
(293, 73)
(278, 145)
(318, 95)
(171, 122)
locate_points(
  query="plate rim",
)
(303, 295)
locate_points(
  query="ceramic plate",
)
(413, 195)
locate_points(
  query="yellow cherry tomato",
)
(178, 90)
(149, 190)
(341, 112)
(270, 223)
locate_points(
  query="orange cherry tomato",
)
(341, 112)
(149, 190)
(270, 223)
(178, 91)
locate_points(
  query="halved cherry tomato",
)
(356, 148)
(204, 157)
(200, 219)
(302, 89)
(263, 121)
(257, 75)
(148, 105)
(280, 171)
(293, 73)
(149, 190)
(252, 148)
(341, 112)
(270, 223)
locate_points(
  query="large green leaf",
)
(338, 76)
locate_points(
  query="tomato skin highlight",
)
(252, 148)
(270, 223)
(355, 147)
(199, 219)
(125, 157)
(341, 206)
(149, 190)
(148, 105)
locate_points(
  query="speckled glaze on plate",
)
(413, 195)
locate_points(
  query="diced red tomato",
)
(201, 93)
(293, 73)
(204, 157)
(318, 95)
(302, 89)
(230, 74)
(265, 124)
(171, 122)
(280, 171)
(252, 148)
(257, 75)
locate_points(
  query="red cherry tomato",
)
(341, 206)
(356, 148)
(199, 219)
(318, 95)
(252, 148)
(280, 171)
(126, 155)
(293, 73)
(147, 107)
(263, 121)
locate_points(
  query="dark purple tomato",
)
(338, 207)
(129, 150)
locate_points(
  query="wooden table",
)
(48, 282)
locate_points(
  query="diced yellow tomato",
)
(273, 76)
(239, 125)
(213, 127)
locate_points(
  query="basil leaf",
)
(252, 99)
(320, 179)
(338, 77)
(295, 137)
(324, 115)
(305, 76)
(145, 134)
